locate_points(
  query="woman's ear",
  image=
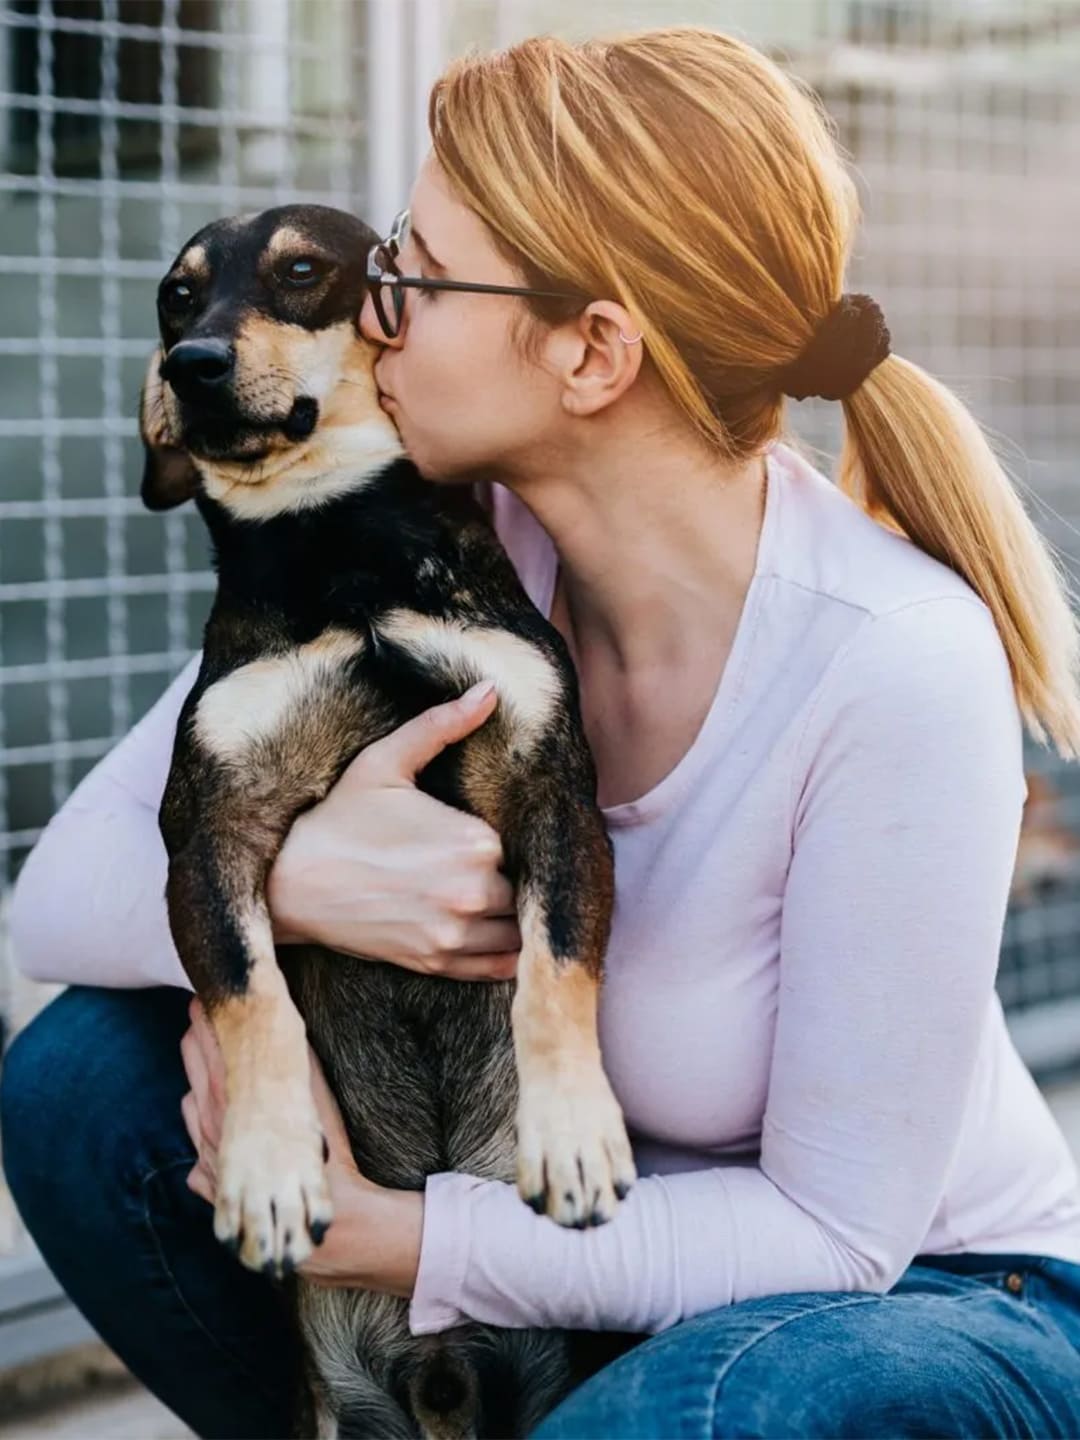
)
(169, 476)
(602, 359)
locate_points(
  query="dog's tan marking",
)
(354, 439)
(572, 1145)
(527, 682)
(194, 262)
(271, 1181)
(285, 239)
(154, 414)
(254, 702)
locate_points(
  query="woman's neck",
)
(657, 546)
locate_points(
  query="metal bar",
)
(319, 127)
(63, 589)
(247, 42)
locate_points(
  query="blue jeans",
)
(96, 1156)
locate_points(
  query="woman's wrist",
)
(374, 1241)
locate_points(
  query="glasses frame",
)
(380, 278)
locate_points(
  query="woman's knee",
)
(84, 1083)
(910, 1364)
(969, 1362)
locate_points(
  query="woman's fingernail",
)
(480, 691)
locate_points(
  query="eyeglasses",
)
(388, 285)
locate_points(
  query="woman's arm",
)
(906, 808)
(376, 868)
(88, 907)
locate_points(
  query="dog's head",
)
(262, 387)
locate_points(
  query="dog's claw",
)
(574, 1159)
(273, 1201)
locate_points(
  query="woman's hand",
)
(379, 869)
(374, 1239)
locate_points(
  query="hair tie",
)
(852, 340)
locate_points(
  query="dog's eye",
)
(177, 297)
(304, 272)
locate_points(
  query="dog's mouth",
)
(214, 435)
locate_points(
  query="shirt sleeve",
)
(88, 907)
(907, 795)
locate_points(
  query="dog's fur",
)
(353, 594)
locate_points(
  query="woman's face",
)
(454, 380)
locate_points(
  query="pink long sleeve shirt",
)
(799, 1015)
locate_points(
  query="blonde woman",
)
(856, 1215)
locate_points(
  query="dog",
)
(352, 594)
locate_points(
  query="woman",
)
(856, 1213)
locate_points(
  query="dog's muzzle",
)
(201, 375)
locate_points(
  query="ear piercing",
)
(630, 339)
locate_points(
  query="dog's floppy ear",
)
(169, 477)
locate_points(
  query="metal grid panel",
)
(126, 125)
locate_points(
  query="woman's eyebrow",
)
(425, 251)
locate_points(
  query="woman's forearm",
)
(89, 905)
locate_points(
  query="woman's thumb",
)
(405, 751)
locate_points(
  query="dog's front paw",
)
(574, 1159)
(273, 1200)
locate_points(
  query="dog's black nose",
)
(197, 368)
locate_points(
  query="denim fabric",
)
(949, 1351)
(96, 1155)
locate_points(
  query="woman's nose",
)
(370, 327)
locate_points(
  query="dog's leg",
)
(574, 1160)
(257, 747)
(528, 772)
(272, 1200)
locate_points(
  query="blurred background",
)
(126, 124)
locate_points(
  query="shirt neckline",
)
(672, 785)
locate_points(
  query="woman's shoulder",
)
(890, 639)
(831, 548)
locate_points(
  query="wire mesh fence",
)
(125, 124)
(129, 123)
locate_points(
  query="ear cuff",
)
(630, 339)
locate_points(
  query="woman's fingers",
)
(401, 755)
(213, 1059)
(487, 936)
(500, 895)
(189, 1109)
(198, 1075)
(201, 1183)
(500, 965)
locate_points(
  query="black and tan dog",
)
(351, 595)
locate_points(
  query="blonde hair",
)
(683, 173)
